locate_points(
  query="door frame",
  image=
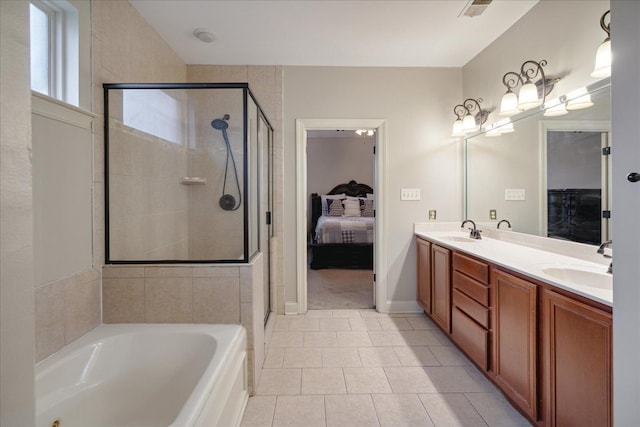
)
(379, 262)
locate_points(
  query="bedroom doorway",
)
(340, 219)
(377, 274)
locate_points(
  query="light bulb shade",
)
(469, 124)
(579, 103)
(603, 60)
(457, 128)
(556, 110)
(493, 133)
(509, 104)
(528, 97)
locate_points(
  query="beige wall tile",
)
(50, 317)
(168, 272)
(123, 300)
(246, 284)
(168, 300)
(216, 300)
(118, 271)
(83, 312)
(217, 271)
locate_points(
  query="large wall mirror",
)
(550, 176)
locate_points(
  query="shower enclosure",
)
(187, 176)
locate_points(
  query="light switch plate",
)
(432, 215)
(410, 194)
(493, 214)
(514, 194)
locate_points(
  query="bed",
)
(342, 239)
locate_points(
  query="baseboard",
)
(403, 307)
(291, 308)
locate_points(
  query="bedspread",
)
(344, 230)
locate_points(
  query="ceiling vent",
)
(474, 8)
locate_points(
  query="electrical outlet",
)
(493, 214)
(432, 215)
(410, 194)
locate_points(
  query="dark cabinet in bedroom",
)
(423, 249)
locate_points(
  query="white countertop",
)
(528, 256)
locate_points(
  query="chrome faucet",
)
(501, 221)
(608, 243)
(475, 233)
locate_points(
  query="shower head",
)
(221, 124)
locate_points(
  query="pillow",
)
(369, 196)
(325, 198)
(367, 207)
(335, 207)
(351, 207)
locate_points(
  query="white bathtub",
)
(146, 375)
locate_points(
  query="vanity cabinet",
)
(441, 287)
(577, 366)
(515, 336)
(470, 308)
(423, 248)
(548, 350)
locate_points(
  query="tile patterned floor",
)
(363, 368)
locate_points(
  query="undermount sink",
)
(592, 277)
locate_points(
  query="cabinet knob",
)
(633, 177)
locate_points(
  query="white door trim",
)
(380, 264)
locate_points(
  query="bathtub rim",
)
(230, 339)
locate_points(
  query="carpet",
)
(339, 289)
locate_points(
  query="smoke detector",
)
(474, 8)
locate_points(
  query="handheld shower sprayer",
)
(227, 201)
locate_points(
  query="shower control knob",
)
(633, 177)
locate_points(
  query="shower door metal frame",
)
(246, 93)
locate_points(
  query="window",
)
(154, 112)
(54, 30)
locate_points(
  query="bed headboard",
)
(350, 188)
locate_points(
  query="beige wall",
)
(416, 103)
(17, 401)
(346, 158)
(564, 32)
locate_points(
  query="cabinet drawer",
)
(471, 338)
(471, 288)
(473, 309)
(471, 267)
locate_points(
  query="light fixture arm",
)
(460, 111)
(511, 80)
(606, 27)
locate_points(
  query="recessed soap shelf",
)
(193, 180)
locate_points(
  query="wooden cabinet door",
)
(424, 274)
(577, 348)
(515, 350)
(441, 287)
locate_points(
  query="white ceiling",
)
(395, 33)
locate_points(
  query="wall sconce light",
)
(556, 107)
(500, 127)
(368, 132)
(603, 55)
(531, 94)
(467, 119)
(579, 99)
